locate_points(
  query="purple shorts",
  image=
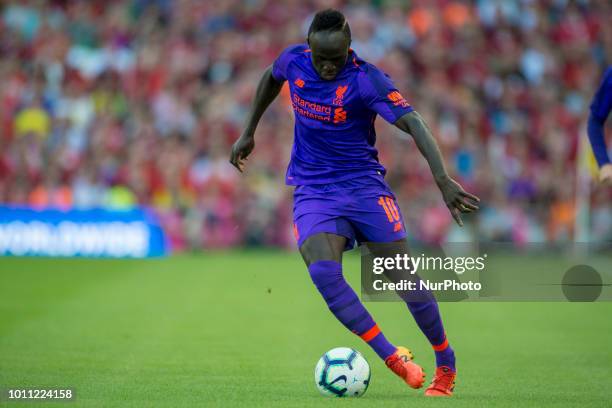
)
(362, 210)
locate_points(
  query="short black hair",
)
(329, 20)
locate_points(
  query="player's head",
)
(329, 38)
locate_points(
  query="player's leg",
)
(322, 253)
(377, 219)
(424, 309)
(380, 220)
(323, 233)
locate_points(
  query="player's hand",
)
(457, 199)
(605, 174)
(241, 150)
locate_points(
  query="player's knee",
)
(322, 247)
(325, 273)
(312, 254)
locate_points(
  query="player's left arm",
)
(456, 198)
(380, 94)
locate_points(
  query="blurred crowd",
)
(137, 102)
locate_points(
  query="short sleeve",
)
(380, 94)
(279, 68)
(602, 101)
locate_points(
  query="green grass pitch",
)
(246, 329)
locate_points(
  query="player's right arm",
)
(267, 90)
(600, 109)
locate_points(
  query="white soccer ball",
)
(342, 372)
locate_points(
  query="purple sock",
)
(427, 317)
(446, 357)
(346, 306)
(424, 308)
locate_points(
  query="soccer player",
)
(600, 109)
(340, 193)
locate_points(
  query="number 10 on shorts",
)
(393, 215)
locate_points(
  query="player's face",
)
(329, 51)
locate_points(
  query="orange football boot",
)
(442, 384)
(401, 364)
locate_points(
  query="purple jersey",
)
(334, 120)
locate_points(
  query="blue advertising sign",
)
(131, 233)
